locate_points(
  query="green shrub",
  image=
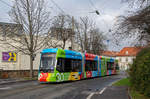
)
(140, 72)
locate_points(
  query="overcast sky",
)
(109, 10)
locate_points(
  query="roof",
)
(129, 51)
(126, 51)
(109, 53)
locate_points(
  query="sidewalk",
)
(113, 92)
(12, 80)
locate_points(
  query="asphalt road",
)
(70, 90)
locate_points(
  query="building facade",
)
(125, 56)
(11, 59)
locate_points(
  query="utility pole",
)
(72, 34)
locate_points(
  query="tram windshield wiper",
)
(46, 70)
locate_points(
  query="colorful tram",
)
(58, 65)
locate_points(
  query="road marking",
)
(89, 97)
(102, 90)
(5, 88)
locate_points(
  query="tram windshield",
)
(48, 62)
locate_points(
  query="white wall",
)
(124, 61)
(23, 61)
(7, 65)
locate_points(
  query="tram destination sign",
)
(48, 55)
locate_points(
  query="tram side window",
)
(110, 65)
(69, 65)
(76, 65)
(64, 65)
(95, 66)
(117, 66)
(90, 65)
(60, 64)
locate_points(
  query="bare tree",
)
(82, 32)
(96, 44)
(137, 23)
(62, 29)
(52, 40)
(34, 19)
(88, 36)
(139, 3)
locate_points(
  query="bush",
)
(140, 72)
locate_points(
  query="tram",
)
(58, 65)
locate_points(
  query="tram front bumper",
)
(47, 77)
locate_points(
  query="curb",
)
(17, 81)
(129, 95)
(111, 84)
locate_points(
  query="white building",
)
(126, 56)
(11, 59)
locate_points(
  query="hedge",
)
(140, 72)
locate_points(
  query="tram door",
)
(102, 67)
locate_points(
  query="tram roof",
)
(64, 53)
(50, 50)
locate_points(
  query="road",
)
(70, 90)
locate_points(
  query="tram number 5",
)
(59, 77)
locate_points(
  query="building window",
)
(127, 59)
(127, 52)
(120, 59)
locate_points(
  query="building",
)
(13, 60)
(126, 56)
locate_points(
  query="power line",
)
(92, 4)
(62, 11)
(97, 12)
(95, 8)
(5, 3)
(58, 6)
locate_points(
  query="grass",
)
(122, 82)
(134, 94)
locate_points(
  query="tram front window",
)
(47, 62)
